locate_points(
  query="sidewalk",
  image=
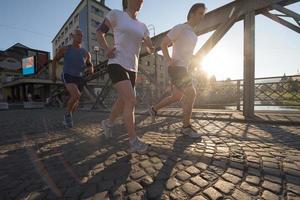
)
(39, 159)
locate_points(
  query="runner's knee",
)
(176, 97)
(130, 102)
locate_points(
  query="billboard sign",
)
(29, 65)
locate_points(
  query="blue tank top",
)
(74, 61)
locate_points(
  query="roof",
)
(104, 6)
(19, 45)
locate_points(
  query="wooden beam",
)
(219, 33)
(286, 11)
(282, 21)
(249, 64)
(215, 18)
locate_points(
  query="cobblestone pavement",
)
(39, 159)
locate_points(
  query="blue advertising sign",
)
(28, 65)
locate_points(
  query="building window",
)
(102, 52)
(97, 11)
(95, 23)
(148, 63)
(76, 18)
(63, 43)
(94, 37)
(66, 40)
(70, 24)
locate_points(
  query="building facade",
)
(87, 16)
(14, 85)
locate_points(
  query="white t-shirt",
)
(128, 36)
(184, 41)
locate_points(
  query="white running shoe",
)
(138, 146)
(191, 132)
(107, 129)
(152, 114)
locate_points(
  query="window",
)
(70, 24)
(63, 43)
(102, 52)
(66, 40)
(97, 11)
(94, 37)
(76, 18)
(66, 29)
(95, 23)
(148, 63)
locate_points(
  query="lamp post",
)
(96, 50)
(152, 27)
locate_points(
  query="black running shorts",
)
(180, 77)
(118, 73)
(78, 81)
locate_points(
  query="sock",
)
(68, 114)
(154, 110)
(186, 126)
(131, 141)
(108, 124)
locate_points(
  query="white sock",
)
(131, 141)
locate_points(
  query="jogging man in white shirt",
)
(129, 33)
(183, 39)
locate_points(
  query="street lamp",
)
(96, 50)
(152, 27)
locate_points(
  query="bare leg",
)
(116, 111)
(74, 97)
(126, 93)
(188, 104)
(176, 96)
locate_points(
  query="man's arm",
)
(59, 55)
(164, 47)
(149, 45)
(101, 32)
(89, 63)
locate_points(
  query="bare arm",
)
(60, 54)
(102, 40)
(89, 63)
(164, 47)
(149, 45)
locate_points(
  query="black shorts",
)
(117, 73)
(78, 81)
(180, 77)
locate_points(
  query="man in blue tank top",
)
(76, 59)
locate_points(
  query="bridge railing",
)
(269, 91)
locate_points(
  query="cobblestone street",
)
(40, 159)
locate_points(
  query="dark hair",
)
(194, 8)
(124, 4)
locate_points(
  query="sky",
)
(34, 23)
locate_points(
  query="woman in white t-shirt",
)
(129, 33)
(183, 39)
